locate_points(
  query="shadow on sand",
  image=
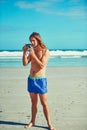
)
(20, 124)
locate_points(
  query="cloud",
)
(37, 4)
(48, 7)
(70, 12)
(78, 11)
(24, 5)
(34, 5)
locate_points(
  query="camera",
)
(28, 45)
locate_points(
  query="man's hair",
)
(38, 38)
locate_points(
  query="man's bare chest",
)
(39, 55)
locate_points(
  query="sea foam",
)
(53, 53)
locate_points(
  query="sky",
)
(62, 24)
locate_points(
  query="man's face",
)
(34, 42)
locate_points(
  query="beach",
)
(67, 99)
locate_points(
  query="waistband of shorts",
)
(37, 77)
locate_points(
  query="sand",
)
(67, 99)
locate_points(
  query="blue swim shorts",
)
(37, 85)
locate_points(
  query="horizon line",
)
(48, 48)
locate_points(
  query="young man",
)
(37, 82)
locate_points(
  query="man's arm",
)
(25, 59)
(43, 60)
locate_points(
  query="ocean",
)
(57, 58)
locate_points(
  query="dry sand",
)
(67, 99)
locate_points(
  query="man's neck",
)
(37, 48)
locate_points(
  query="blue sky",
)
(61, 23)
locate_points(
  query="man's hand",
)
(32, 53)
(24, 48)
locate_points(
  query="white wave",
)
(69, 53)
(11, 54)
(71, 56)
(63, 54)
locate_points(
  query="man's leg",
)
(43, 100)
(34, 100)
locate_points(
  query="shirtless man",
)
(37, 82)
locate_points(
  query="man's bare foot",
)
(29, 125)
(51, 128)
